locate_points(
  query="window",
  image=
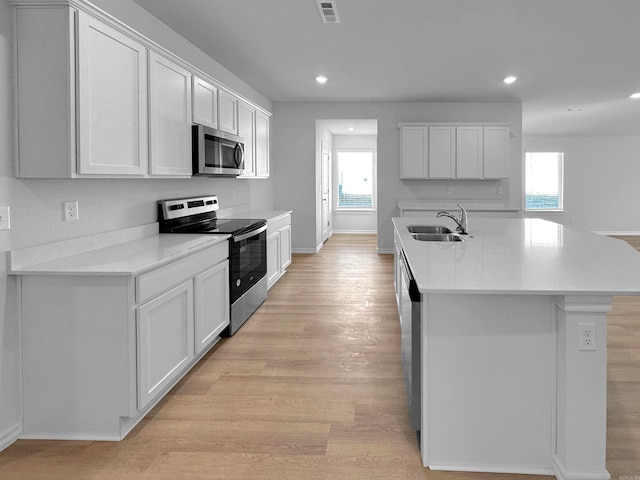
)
(544, 178)
(355, 179)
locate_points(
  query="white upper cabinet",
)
(469, 152)
(261, 153)
(442, 152)
(414, 144)
(246, 130)
(170, 117)
(450, 151)
(205, 103)
(112, 107)
(227, 112)
(496, 151)
(96, 99)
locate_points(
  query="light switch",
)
(5, 218)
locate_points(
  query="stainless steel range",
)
(247, 249)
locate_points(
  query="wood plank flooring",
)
(310, 388)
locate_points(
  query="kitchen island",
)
(513, 344)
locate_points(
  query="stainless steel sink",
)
(428, 229)
(437, 237)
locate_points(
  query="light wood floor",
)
(310, 388)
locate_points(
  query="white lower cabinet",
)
(100, 350)
(211, 315)
(278, 248)
(165, 340)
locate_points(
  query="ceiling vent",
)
(328, 11)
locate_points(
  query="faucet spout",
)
(460, 222)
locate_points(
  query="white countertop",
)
(268, 215)
(520, 256)
(128, 258)
(415, 204)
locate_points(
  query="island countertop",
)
(520, 256)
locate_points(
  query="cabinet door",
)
(496, 151)
(442, 152)
(246, 129)
(262, 144)
(205, 103)
(414, 143)
(273, 258)
(212, 305)
(170, 115)
(112, 101)
(469, 152)
(227, 112)
(285, 248)
(165, 340)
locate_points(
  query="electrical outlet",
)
(449, 190)
(5, 218)
(71, 210)
(587, 336)
(499, 190)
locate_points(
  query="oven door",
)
(248, 261)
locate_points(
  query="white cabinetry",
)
(469, 152)
(227, 112)
(253, 127)
(205, 103)
(454, 151)
(211, 314)
(99, 350)
(442, 152)
(170, 117)
(165, 340)
(112, 106)
(246, 130)
(96, 99)
(496, 152)
(262, 144)
(414, 142)
(278, 248)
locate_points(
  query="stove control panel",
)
(184, 207)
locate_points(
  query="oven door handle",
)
(250, 234)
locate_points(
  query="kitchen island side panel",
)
(488, 396)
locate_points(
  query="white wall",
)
(104, 205)
(601, 181)
(357, 222)
(10, 406)
(295, 158)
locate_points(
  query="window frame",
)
(561, 186)
(374, 187)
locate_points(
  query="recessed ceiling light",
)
(635, 95)
(321, 79)
(510, 79)
(351, 129)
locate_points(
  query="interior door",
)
(325, 190)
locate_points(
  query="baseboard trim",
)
(356, 232)
(305, 251)
(386, 251)
(561, 473)
(9, 435)
(493, 469)
(617, 233)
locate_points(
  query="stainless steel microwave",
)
(216, 152)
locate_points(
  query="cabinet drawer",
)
(278, 224)
(161, 279)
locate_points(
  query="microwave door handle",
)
(239, 155)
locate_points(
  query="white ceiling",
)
(567, 54)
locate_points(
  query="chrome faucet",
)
(461, 222)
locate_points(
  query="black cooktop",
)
(220, 225)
